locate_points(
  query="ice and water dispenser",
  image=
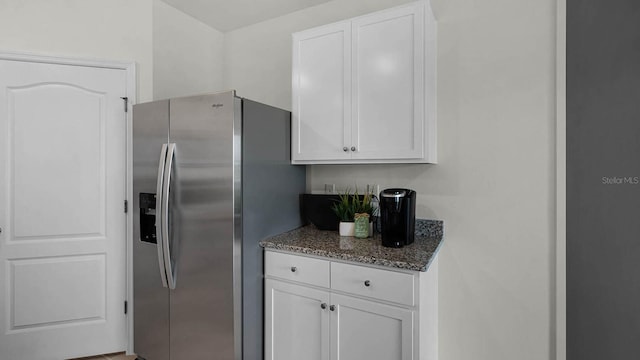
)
(148, 218)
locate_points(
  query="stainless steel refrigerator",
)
(211, 178)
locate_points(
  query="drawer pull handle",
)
(367, 283)
(294, 269)
(323, 306)
(332, 308)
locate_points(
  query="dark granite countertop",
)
(309, 240)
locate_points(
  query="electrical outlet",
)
(330, 188)
(374, 189)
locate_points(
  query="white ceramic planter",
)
(347, 228)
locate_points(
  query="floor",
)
(117, 356)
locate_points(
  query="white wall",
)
(176, 55)
(494, 184)
(187, 54)
(116, 30)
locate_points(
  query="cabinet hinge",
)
(126, 306)
(126, 206)
(126, 103)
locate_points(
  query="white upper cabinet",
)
(364, 89)
(388, 90)
(322, 81)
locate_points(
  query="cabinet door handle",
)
(332, 308)
(353, 148)
(294, 269)
(345, 149)
(323, 306)
(367, 283)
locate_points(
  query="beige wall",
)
(187, 54)
(494, 184)
(107, 30)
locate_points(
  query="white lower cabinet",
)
(296, 325)
(363, 313)
(362, 329)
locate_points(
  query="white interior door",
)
(62, 187)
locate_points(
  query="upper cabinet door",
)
(321, 79)
(388, 84)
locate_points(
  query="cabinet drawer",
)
(375, 283)
(297, 268)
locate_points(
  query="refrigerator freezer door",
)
(151, 299)
(202, 303)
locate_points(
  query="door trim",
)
(559, 281)
(130, 69)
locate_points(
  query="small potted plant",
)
(345, 210)
(348, 206)
(363, 216)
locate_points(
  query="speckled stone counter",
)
(309, 240)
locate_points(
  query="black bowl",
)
(316, 209)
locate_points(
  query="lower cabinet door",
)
(362, 329)
(296, 322)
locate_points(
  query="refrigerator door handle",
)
(168, 168)
(159, 211)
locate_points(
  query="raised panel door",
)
(62, 188)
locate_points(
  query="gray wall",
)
(603, 208)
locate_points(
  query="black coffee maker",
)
(398, 217)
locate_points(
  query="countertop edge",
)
(278, 243)
(359, 260)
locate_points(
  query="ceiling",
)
(226, 15)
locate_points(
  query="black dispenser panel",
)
(148, 218)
